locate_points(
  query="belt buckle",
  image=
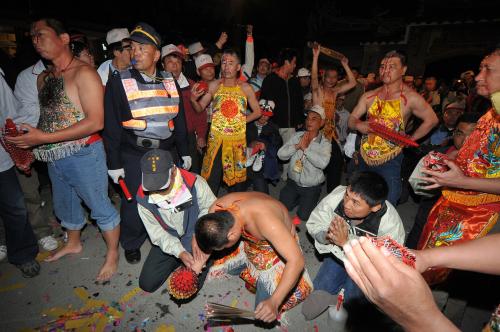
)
(149, 143)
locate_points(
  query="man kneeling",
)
(170, 201)
(268, 258)
(359, 209)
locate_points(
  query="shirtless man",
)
(71, 115)
(268, 233)
(226, 146)
(391, 105)
(325, 95)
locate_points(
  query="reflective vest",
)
(153, 105)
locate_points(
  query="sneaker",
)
(250, 157)
(257, 165)
(29, 269)
(316, 303)
(48, 243)
(3, 252)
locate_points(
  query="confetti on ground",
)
(246, 304)
(316, 329)
(12, 287)
(234, 303)
(95, 315)
(165, 328)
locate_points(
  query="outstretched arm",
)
(275, 231)
(399, 290)
(455, 178)
(351, 81)
(479, 255)
(315, 77)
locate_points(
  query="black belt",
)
(149, 143)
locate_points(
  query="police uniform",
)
(140, 114)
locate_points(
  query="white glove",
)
(350, 145)
(115, 174)
(187, 162)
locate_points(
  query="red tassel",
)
(400, 139)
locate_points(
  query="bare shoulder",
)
(214, 85)
(84, 71)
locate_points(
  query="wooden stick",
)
(327, 51)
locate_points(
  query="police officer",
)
(143, 111)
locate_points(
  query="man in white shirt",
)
(21, 242)
(119, 53)
(26, 92)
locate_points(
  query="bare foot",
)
(110, 266)
(67, 249)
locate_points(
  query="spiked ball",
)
(182, 283)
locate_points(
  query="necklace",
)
(53, 71)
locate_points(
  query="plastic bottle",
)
(337, 315)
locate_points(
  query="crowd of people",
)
(171, 125)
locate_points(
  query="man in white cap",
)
(309, 153)
(196, 122)
(118, 52)
(304, 76)
(170, 200)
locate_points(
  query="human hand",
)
(187, 259)
(338, 232)
(222, 40)
(454, 177)
(399, 290)
(196, 92)
(200, 257)
(201, 142)
(362, 126)
(344, 61)
(31, 137)
(187, 162)
(316, 50)
(116, 174)
(304, 142)
(267, 310)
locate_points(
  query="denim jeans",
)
(20, 239)
(391, 172)
(83, 176)
(332, 277)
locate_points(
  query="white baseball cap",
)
(303, 72)
(203, 61)
(116, 35)
(195, 48)
(320, 110)
(170, 49)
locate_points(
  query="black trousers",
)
(132, 231)
(158, 267)
(333, 170)
(195, 155)
(306, 198)
(424, 208)
(216, 176)
(21, 242)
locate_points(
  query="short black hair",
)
(52, 23)
(396, 54)
(370, 186)
(469, 117)
(77, 47)
(286, 54)
(232, 52)
(211, 230)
